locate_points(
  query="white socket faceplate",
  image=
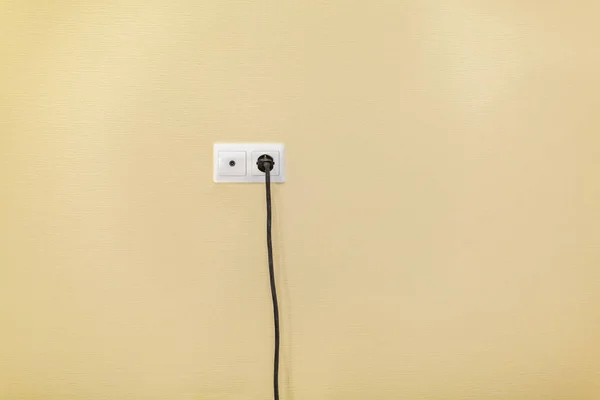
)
(236, 162)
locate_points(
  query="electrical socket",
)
(246, 154)
(254, 163)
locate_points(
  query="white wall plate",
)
(236, 162)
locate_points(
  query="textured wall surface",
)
(438, 237)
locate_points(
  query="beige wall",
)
(438, 236)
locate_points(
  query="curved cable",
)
(267, 166)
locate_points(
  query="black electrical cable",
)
(267, 165)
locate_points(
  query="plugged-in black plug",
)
(264, 161)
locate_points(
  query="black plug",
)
(264, 160)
